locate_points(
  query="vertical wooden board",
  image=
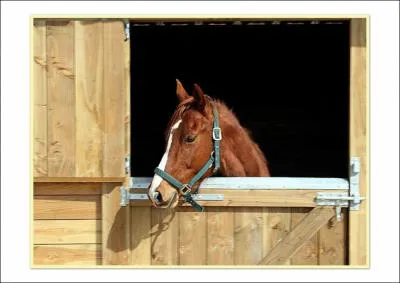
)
(127, 117)
(114, 98)
(88, 254)
(61, 99)
(333, 242)
(164, 237)
(220, 236)
(40, 97)
(140, 235)
(115, 227)
(192, 237)
(90, 110)
(248, 236)
(275, 226)
(358, 230)
(308, 253)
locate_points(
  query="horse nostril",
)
(158, 197)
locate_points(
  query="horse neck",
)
(240, 156)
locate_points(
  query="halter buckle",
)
(185, 189)
(217, 134)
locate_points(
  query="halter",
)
(186, 189)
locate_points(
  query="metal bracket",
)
(352, 199)
(125, 196)
(354, 183)
(126, 30)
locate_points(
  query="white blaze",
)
(157, 179)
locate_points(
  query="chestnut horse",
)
(203, 135)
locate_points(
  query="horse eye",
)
(190, 139)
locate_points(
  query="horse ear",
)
(199, 98)
(180, 91)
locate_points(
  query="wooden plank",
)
(298, 236)
(333, 242)
(276, 225)
(358, 229)
(61, 99)
(67, 207)
(67, 232)
(88, 254)
(220, 239)
(192, 237)
(47, 189)
(164, 237)
(253, 198)
(247, 236)
(116, 238)
(79, 179)
(114, 98)
(140, 235)
(89, 98)
(261, 183)
(127, 90)
(40, 97)
(308, 253)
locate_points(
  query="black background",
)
(287, 83)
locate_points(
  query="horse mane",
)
(187, 103)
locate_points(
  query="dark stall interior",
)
(287, 82)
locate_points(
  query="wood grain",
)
(115, 223)
(88, 254)
(276, 225)
(67, 232)
(165, 237)
(79, 179)
(115, 97)
(89, 98)
(303, 231)
(40, 97)
(140, 235)
(61, 99)
(192, 237)
(67, 207)
(308, 253)
(220, 236)
(248, 236)
(358, 231)
(333, 242)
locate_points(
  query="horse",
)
(203, 137)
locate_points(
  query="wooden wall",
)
(67, 224)
(80, 97)
(228, 236)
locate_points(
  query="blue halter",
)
(186, 189)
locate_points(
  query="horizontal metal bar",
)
(260, 183)
(334, 199)
(207, 197)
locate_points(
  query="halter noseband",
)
(186, 189)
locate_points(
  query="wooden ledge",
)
(79, 179)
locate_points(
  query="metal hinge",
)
(352, 199)
(127, 165)
(126, 30)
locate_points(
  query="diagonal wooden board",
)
(310, 225)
